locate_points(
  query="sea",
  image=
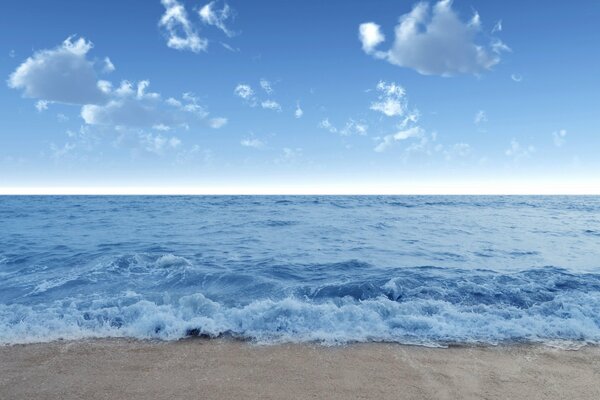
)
(331, 270)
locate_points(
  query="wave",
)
(533, 306)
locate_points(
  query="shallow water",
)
(428, 270)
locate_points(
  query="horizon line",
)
(309, 190)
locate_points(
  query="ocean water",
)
(429, 270)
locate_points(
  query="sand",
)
(226, 369)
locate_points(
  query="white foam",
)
(426, 322)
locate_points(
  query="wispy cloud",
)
(327, 125)
(218, 122)
(271, 105)
(559, 137)
(391, 99)
(252, 142)
(298, 113)
(41, 105)
(245, 92)
(179, 31)
(266, 86)
(517, 152)
(480, 117)
(388, 140)
(108, 66)
(211, 15)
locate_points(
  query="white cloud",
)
(497, 27)
(516, 77)
(434, 42)
(517, 152)
(370, 36)
(62, 75)
(180, 32)
(458, 150)
(108, 66)
(325, 124)
(480, 117)
(131, 106)
(391, 100)
(41, 105)
(270, 105)
(174, 102)
(252, 142)
(61, 152)
(158, 144)
(298, 113)
(218, 122)
(559, 137)
(354, 127)
(230, 47)
(415, 131)
(161, 127)
(212, 16)
(244, 91)
(266, 86)
(289, 155)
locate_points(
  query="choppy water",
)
(428, 270)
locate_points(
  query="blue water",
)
(430, 270)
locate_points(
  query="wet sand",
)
(225, 369)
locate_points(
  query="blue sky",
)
(311, 96)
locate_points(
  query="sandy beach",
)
(224, 369)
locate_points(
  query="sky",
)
(382, 96)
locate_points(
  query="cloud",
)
(179, 31)
(217, 123)
(298, 113)
(370, 36)
(289, 155)
(497, 27)
(161, 127)
(158, 144)
(41, 105)
(434, 41)
(252, 142)
(516, 77)
(215, 17)
(133, 106)
(270, 105)
(480, 117)
(517, 152)
(458, 150)
(391, 100)
(108, 66)
(62, 75)
(266, 86)
(244, 91)
(415, 131)
(325, 124)
(559, 137)
(352, 127)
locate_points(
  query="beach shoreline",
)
(225, 368)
